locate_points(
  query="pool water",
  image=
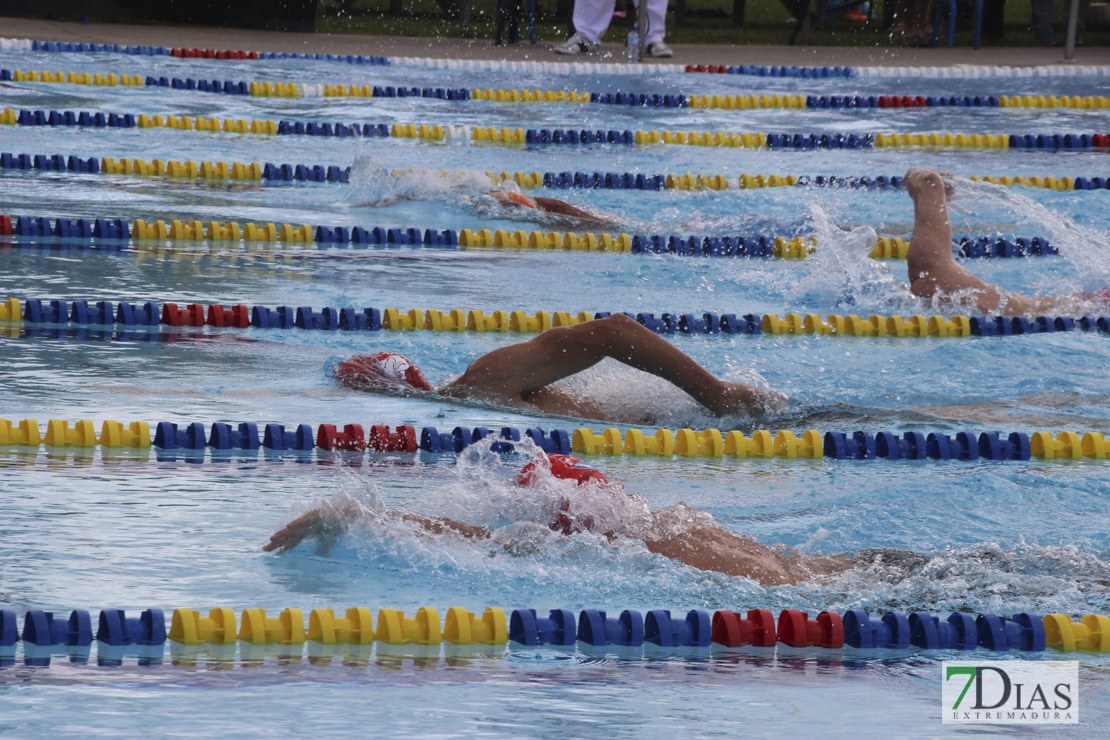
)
(135, 530)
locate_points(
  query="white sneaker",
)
(576, 44)
(658, 50)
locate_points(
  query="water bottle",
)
(634, 45)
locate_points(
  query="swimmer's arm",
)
(316, 523)
(933, 270)
(441, 524)
(522, 369)
(320, 524)
(386, 200)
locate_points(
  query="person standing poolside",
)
(932, 267)
(1042, 20)
(591, 21)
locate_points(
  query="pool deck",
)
(399, 46)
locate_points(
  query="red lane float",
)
(191, 315)
(212, 54)
(904, 101)
(401, 440)
(796, 629)
(351, 438)
(732, 630)
(238, 316)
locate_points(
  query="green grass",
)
(707, 22)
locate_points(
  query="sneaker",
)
(576, 44)
(658, 50)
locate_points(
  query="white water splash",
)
(1087, 250)
(373, 184)
(523, 552)
(840, 274)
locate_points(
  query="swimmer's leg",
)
(522, 369)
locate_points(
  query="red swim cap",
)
(378, 369)
(566, 467)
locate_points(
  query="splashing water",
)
(371, 183)
(841, 275)
(1087, 250)
(523, 558)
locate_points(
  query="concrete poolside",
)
(227, 38)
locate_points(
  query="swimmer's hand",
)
(768, 401)
(733, 397)
(316, 523)
(918, 179)
(443, 525)
(949, 184)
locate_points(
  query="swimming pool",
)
(135, 529)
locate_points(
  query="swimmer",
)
(512, 199)
(933, 270)
(515, 200)
(678, 532)
(524, 373)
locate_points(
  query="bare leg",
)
(521, 370)
(933, 270)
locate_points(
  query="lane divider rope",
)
(855, 628)
(974, 71)
(94, 48)
(255, 88)
(271, 172)
(811, 444)
(467, 65)
(961, 72)
(190, 169)
(105, 313)
(116, 233)
(565, 137)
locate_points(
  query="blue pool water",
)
(129, 530)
